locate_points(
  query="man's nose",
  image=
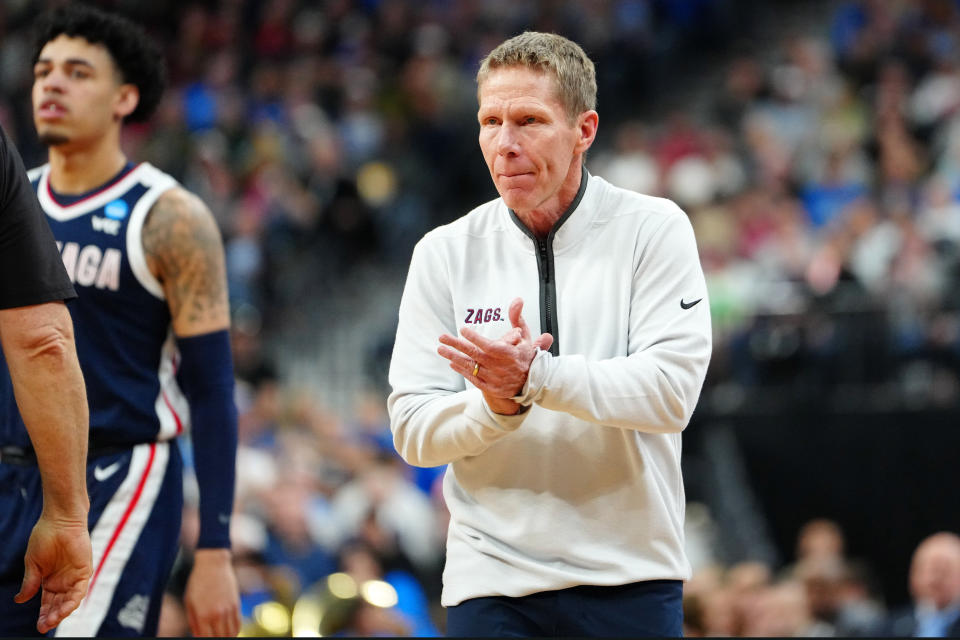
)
(53, 81)
(508, 140)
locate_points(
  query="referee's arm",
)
(47, 382)
(41, 355)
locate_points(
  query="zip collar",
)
(544, 251)
(582, 221)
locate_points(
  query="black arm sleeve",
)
(31, 271)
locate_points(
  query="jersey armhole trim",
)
(135, 252)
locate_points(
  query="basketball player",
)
(151, 321)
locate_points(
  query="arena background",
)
(816, 148)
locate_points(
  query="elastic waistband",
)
(26, 456)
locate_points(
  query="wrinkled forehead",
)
(516, 82)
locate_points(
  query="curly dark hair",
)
(136, 55)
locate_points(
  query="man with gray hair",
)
(563, 485)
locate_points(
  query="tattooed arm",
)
(185, 253)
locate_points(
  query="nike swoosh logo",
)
(223, 518)
(687, 305)
(105, 472)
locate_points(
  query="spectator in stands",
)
(935, 590)
(838, 595)
(820, 538)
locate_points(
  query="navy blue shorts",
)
(136, 501)
(640, 609)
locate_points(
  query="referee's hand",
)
(58, 562)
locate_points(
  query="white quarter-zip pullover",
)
(584, 487)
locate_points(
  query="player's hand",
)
(503, 363)
(212, 597)
(59, 562)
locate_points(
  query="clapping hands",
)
(499, 368)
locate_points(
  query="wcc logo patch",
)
(480, 316)
(114, 213)
(116, 210)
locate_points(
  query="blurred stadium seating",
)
(815, 146)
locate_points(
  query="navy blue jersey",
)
(121, 319)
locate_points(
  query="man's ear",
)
(587, 125)
(127, 101)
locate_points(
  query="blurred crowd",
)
(823, 182)
(822, 177)
(826, 593)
